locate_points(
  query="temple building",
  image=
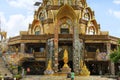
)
(60, 25)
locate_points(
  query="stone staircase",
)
(3, 69)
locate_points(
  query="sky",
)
(15, 15)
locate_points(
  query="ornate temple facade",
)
(70, 25)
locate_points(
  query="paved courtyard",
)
(64, 78)
(4, 70)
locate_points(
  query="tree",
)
(115, 55)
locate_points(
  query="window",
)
(90, 31)
(37, 32)
(41, 49)
(64, 29)
(86, 16)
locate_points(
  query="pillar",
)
(111, 64)
(22, 47)
(56, 49)
(77, 50)
(49, 63)
(49, 49)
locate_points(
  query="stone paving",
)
(64, 78)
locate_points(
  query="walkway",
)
(64, 78)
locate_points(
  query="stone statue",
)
(65, 68)
(81, 63)
(49, 65)
(84, 71)
(65, 58)
(49, 68)
(97, 51)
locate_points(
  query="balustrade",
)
(39, 54)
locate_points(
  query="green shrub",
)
(18, 76)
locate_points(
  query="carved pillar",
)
(56, 49)
(47, 52)
(111, 64)
(77, 50)
(22, 47)
(108, 45)
(49, 48)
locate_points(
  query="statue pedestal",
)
(66, 70)
(48, 72)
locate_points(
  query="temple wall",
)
(82, 29)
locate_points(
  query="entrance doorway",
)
(34, 67)
(98, 67)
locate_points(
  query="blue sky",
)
(15, 15)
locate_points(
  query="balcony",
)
(40, 55)
(90, 56)
(101, 56)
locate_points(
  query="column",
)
(56, 49)
(47, 52)
(77, 50)
(22, 47)
(49, 49)
(111, 64)
(49, 63)
(108, 45)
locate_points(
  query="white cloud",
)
(2, 20)
(114, 13)
(116, 1)
(117, 14)
(27, 4)
(110, 11)
(17, 23)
